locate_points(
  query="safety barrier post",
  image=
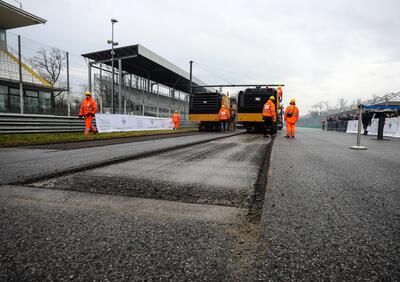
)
(358, 146)
(21, 89)
(68, 90)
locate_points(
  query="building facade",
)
(22, 90)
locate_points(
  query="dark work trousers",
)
(268, 125)
(224, 125)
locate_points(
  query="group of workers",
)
(269, 116)
(227, 118)
(89, 109)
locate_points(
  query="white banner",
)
(391, 129)
(373, 128)
(391, 126)
(352, 126)
(113, 123)
(397, 133)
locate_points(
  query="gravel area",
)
(331, 213)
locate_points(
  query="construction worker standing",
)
(223, 117)
(176, 119)
(291, 117)
(87, 111)
(269, 116)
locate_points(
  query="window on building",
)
(14, 100)
(31, 101)
(45, 102)
(3, 98)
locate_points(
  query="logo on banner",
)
(123, 121)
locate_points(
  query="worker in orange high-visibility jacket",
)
(224, 117)
(269, 116)
(176, 119)
(291, 117)
(87, 111)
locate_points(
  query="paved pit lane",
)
(221, 172)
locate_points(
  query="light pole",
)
(113, 21)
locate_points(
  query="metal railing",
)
(340, 126)
(17, 123)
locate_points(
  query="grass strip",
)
(10, 140)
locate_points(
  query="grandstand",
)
(146, 83)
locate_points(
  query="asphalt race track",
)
(185, 212)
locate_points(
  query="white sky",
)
(321, 50)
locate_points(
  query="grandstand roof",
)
(141, 61)
(13, 17)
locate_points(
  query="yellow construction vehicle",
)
(250, 105)
(204, 108)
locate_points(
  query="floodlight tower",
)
(113, 21)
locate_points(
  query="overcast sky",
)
(321, 50)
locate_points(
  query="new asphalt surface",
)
(332, 213)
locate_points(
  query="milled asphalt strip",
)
(260, 186)
(111, 161)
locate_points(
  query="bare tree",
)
(49, 64)
(342, 103)
(318, 107)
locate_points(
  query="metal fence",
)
(340, 125)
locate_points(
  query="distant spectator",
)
(366, 121)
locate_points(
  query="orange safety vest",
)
(88, 106)
(176, 118)
(291, 114)
(224, 114)
(269, 109)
